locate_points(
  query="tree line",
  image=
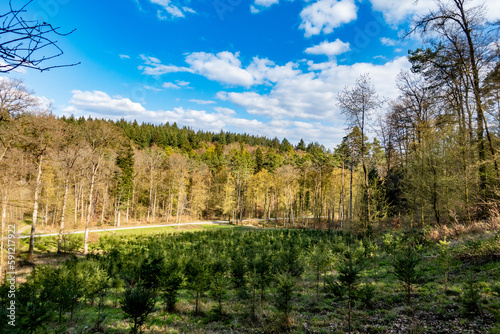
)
(433, 160)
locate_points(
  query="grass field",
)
(470, 303)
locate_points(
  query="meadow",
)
(248, 280)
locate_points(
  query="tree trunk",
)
(128, 207)
(76, 205)
(150, 206)
(104, 200)
(350, 192)
(63, 213)
(4, 216)
(89, 213)
(154, 205)
(343, 196)
(35, 210)
(303, 196)
(275, 210)
(238, 212)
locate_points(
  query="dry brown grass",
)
(456, 229)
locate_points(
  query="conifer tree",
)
(137, 303)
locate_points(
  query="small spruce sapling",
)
(471, 297)
(349, 274)
(219, 283)
(406, 269)
(197, 279)
(170, 279)
(285, 285)
(137, 303)
(319, 259)
(445, 260)
(238, 272)
(32, 310)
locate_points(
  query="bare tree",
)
(37, 140)
(27, 43)
(357, 104)
(16, 101)
(100, 138)
(68, 155)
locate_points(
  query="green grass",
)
(430, 306)
(149, 230)
(48, 244)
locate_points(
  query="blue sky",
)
(264, 67)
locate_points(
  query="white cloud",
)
(170, 10)
(202, 101)
(398, 11)
(124, 57)
(255, 103)
(44, 103)
(262, 4)
(266, 3)
(388, 42)
(189, 10)
(265, 70)
(225, 111)
(153, 66)
(101, 103)
(170, 85)
(301, 97)
(9, 68)
(154, 89)
(312, 95)
(224, 67)
(329, 48)
(325, 15)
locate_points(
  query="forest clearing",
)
(280, 181)
(260, 280)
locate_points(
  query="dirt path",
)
(217, 222)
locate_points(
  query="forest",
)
(338, 224)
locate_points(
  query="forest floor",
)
(432, 309)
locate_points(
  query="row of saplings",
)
(140, 273)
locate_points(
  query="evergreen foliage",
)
(406, 269)
(137, 303)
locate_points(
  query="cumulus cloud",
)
(153, 66)
(312, 95)
(224, 67)
(258, 5)
(329, 48)
(202, 101)
(225, 111)
(170, 85)
(296, 94)
(265, 70)
(325, 15)
(397, 11)
(388, 42)
(101, 103)
(170, 10)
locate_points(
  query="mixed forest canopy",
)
(433, 161)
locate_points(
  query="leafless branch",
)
(28, 43)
